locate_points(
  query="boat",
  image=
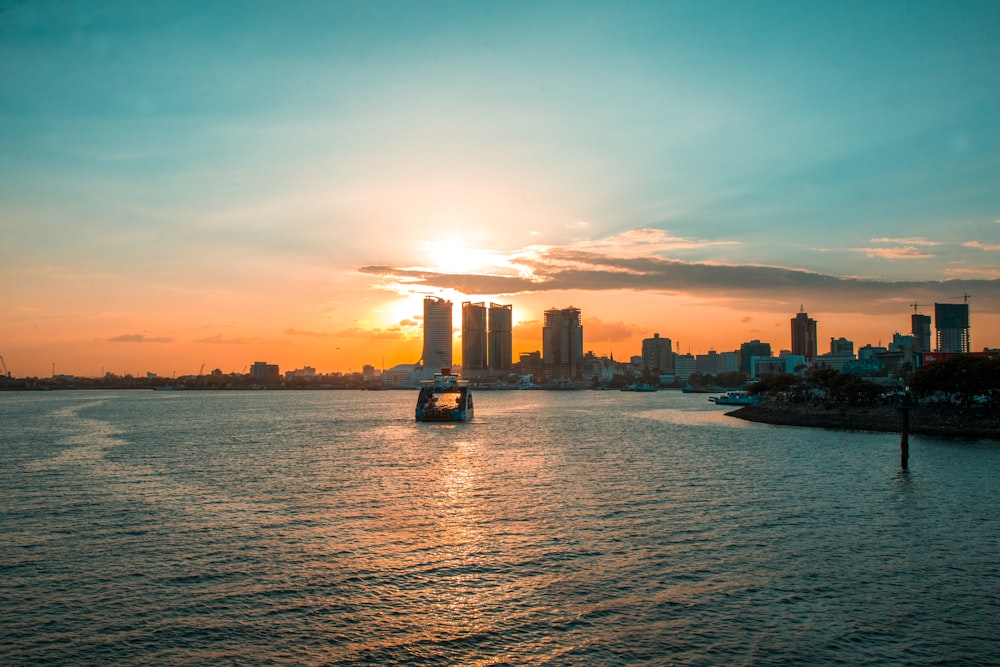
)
(734, 398)
(444, 399)
(639, 386)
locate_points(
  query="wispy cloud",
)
(219, 339)
(903, 252)
(911, 240)
(139, 338)
(982, 246)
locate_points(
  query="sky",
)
(191, 185)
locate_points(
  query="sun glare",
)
(456, 256)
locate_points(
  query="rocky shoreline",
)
(972, 423)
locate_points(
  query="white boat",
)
(734, 398)
(444, 399)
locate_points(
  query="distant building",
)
(730, 362)
(262, 371)
(804, 336)
(685, 365)
(403, 376)
(920, 329)
(562, 343)
(748, 350)
(474, 341)
(788, 364)
(709, 363)
(437, 334)
(500, 338)
(842, 347)
(658, 354)
(952, 325)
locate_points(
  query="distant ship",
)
(444, 399)
(639, 386)
(734, 398)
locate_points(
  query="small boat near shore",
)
(734, 398)
(445, 399)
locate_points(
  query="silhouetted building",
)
(437, 334)
(473, 338)
(501, 338)
(264, 372)
(658, 354)
(804, 336)
(709, 363)
(750, 349)
(951, 320)
(842, 347)
(562, 343)
(920, 329)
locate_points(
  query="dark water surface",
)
(558, 528)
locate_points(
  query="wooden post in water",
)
(904, 431)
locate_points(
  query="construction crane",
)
(915, 306)
(965, 296)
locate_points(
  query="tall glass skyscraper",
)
(473, 337)
(437, 334)
(501, 345)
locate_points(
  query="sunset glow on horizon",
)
(187, 185)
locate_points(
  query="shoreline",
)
(951, 422)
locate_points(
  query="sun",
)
(456, 256)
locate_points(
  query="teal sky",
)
(157, 154)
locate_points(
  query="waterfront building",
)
(658, 354)
(951, 321)
(473, 339)
(562, 343)
(804, 336)
(709, 363)
(729, 362)
(437, 334)
(787, 364)
(750, 349)
(685, 365)
(500, 338)
(262, 371)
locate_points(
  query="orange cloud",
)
(904, 252)
(139, 338)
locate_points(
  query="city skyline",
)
(184, 184)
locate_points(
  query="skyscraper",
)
(501, 343)
(473, 337)
(437, 334)
(951, 320)
(920, 329)
(751, 349)
(658, 354)
(804, 336)
(562, 343)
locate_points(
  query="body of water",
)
(558, 528)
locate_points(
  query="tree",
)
(960, 378)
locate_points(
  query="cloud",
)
(904, 252)
(982, 246)
(598, 330)
(217, 339)
(139, 338)
(912, 240)
(639, 261)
